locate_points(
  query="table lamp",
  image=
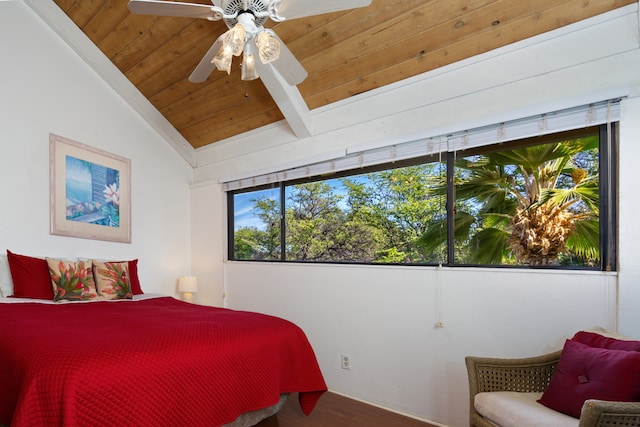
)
(187, 285)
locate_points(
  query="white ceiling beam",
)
(288, 99)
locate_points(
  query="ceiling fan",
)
(246, 34)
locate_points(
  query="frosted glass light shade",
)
(222, 60)
(268, 47)
(234, 39)
(187, 284)
(249, 71)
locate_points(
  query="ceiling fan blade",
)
(292, 9)
(205, 67)
(288, 65)
(166, 8)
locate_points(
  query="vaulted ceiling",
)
(345, 53)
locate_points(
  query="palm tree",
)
(535, 205)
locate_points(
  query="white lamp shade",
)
(187, 284)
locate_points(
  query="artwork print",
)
(90, 192)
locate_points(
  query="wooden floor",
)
(337, 411)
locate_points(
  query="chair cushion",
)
(513, 409)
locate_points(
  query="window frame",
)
(608, 141)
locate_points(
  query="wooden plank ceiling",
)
(345, 53)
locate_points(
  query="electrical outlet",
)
(345, 360)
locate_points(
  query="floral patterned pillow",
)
(113, 279)
(71, 280)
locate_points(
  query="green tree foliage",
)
(245, 244)
(534, 205)
(268, 210)
(318, 229)
(253, 243)
(400, 205)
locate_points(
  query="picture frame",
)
(90, 192)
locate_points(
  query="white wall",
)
(385, 317)
(387, 320)
(209, 244)
(629, 229)
(46, 88)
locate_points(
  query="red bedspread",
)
(155, 362)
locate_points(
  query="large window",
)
(546, 201)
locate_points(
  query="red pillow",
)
(30, 277)
(596, 340)
(136, 289)
(585, 372)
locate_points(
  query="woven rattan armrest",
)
(600, 413)
(529, 374)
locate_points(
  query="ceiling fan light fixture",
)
(245, 19)
(249, 71)
(268, 47)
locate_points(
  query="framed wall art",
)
(90, 192)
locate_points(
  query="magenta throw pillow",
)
(596, 340)
(585, 372)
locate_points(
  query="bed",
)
(148, 361)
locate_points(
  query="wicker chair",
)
(533, 374)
